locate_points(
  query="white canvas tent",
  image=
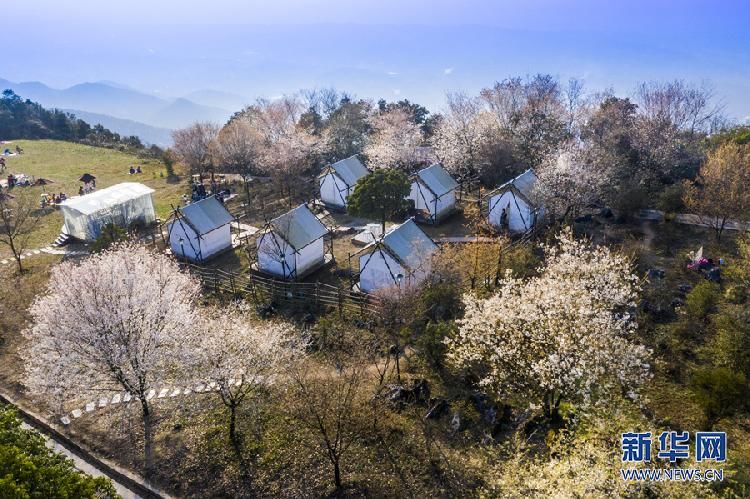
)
(122, 205)
(511, 205)
(292, 245)
(402, 257)
(433, 191)
(201, 230)
(337, 181)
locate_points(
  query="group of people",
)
(53, 199)
(18, 181)
(136, 170)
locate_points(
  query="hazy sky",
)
(390, 48)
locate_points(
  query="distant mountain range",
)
(161, 137)
(128, 111)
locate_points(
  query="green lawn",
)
(65, 162)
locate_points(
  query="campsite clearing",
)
(64, 162)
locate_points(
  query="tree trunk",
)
(147, 438)
(336, 474)
(233, 423)
(16, 254)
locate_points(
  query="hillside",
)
(64, 162)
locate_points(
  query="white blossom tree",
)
(287, 147)
(244, 358)
(568, 182)
(564, 334)
(459, 134)
(122, 320)
(395, 140)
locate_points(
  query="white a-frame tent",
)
(292, 245)
(338, 180)
(200, 230)
(433, 191)
(511, 206)
(402, 257)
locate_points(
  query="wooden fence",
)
(312, 296)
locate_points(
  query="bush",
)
(720, 392)
(701, 300)
(670, 200)
(431, 342)
(29, 469)
(110, 235)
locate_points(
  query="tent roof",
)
(299, 227)
(350, 170)
(106, 198)
(524, 183)
(409, 243)
(437, 179)
(206, 215)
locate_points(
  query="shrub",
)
(720, 392)
(701, 300)
(111, 234)
(431, 342)
(28, 468)
(670, 200)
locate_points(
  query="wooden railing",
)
(265, 290)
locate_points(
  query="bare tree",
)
(243, 358)
(328, 400)
(17, 220)
(122, 320)
(239, 147)
(685, 107)
(194, 145)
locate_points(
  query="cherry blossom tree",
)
(567, 181)
(563, 334)
(394, 141)
(121, 320)
(288, 148)
(458, 135)
(244, 358)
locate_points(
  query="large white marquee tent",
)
(122, 205)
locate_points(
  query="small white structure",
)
(291, 246)
(402, 257)
(338, 180)
(122, 205)
(201, 230)
(511, 205)
(433, 191)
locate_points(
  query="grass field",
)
(65, 162)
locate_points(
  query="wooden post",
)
(341, 302)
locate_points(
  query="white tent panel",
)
(196, 248)
(275, 256)
(520, 214)
(378, 271)
(122, 205)
(333, 190)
